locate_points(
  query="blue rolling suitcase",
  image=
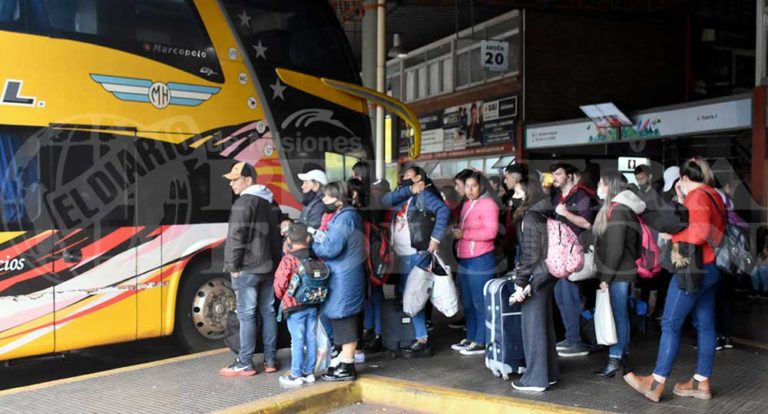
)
(503, 330)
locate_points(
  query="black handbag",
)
(688, 261)
(421, 223)
(666, 218)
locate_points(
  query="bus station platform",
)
(445, 383)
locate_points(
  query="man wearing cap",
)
(251, 254)
(313, 179)
(574, 208)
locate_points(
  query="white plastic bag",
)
(605, 327)
(589, 270)
(418, 288)
(323, 348)
(444, 295)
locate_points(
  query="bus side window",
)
(19, 180)
(10, 14)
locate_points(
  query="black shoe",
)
(368, 335)
(613, 366)
(343, 372)
(719, 345)
(335, 351)
(417, 350)
(374, 345)
(727, 342)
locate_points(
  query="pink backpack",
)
(564, 252)
(649, 262)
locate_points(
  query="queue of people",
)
(487, 229)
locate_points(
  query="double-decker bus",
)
(117, 121)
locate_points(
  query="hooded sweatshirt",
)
(253, 237)
(620, 246)
(480, 222)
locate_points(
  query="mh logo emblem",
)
(159, 95)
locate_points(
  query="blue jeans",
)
(249, 288)
(473, 274)
(372, 309)
(569, 302)
(619, 292)
(760, 278)
(406, 263)
(679, 304)
(302, 325)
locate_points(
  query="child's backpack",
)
(309, 285)
(649, 262)
(378, 255)
(564, 252)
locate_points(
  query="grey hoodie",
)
(259, 190)
(631, 200)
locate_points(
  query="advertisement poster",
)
(467, 126)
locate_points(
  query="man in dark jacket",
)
(251, 254)
(313, 179)
(574, 207)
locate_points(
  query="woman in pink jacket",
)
(476, 231)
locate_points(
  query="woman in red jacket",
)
(706, 225)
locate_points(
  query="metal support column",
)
(759, 151)
(760, 43)
(370, 10)
(381, 61)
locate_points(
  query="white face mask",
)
(600, 194)
(684, 189)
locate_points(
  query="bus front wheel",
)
(204, 302)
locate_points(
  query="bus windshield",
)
(294, 34)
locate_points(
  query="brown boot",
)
(647, 386)
(693, 388)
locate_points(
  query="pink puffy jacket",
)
(480, 221)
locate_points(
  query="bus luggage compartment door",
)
(93, 200)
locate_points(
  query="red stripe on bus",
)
(96, 248)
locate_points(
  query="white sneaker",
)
(290, 381)
(359, 357)
(461, 345)
(521, 387)
(308, 378)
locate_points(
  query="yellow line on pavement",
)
(435, 399)
(405, 395)
(111, 372)
(319, 398)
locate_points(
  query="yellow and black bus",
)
(117, 120)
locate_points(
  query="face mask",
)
(600, 194)
(307, 197)
(517, 202)
(330, 208)
(406, 183)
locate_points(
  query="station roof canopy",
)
(421, 22)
